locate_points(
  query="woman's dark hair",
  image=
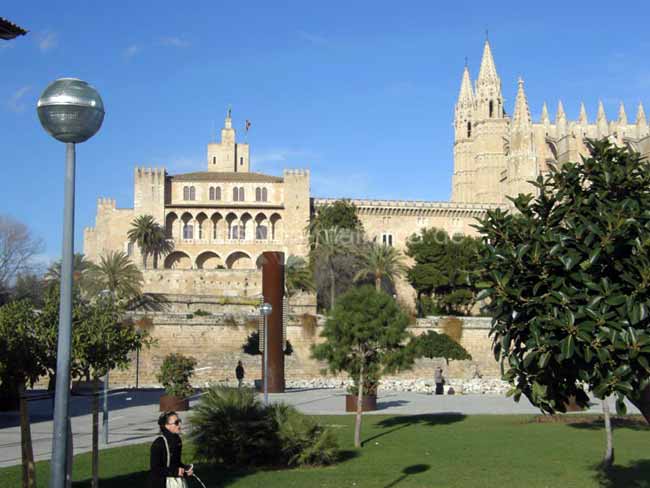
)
(164, 419)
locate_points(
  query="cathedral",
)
(496, 155)
(222, 219)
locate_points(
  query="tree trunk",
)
(357, 421)
(378, 282)
(27, 452)
(144, 259)
(608, 459)
(642, 402)
(332, 286)
(95, 441)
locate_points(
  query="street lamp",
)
(266, 310)
(71, 111)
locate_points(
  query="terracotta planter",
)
(368, 403)
(171, 403)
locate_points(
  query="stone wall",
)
(216, 341)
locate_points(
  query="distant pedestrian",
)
(239, 373)
(439, 380)
(166, 468)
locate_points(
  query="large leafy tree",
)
(150, 237)
(568, 281)
(81, 281)
(18, 247)
(364, 333)
(341, 214)
(331, 247)
(381, 262)
(433, 345)
(297, 276)
(445, 271)
(116, 273)
(23, 347)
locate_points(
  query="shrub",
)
(175, 374)
(252, 345)
(231, 426)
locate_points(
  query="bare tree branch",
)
(17, 249)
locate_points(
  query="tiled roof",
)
(230, 176)
(9, 30)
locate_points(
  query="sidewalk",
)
(133, 415)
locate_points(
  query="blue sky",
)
(360, 92)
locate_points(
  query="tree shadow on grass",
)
(409, 471)
(399, 422)
(636, 475)
(598, 423)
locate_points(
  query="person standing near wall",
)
(439, 380)
(239, 373)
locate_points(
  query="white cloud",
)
(131, 51)
(6, 45)
(175, 42)
(16, 102)
(47, 41)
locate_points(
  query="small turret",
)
(489, 99)
(641, 122)
(582, 118)
(601, 121)
(521, 117)
(545, 119)
(560, 120)
(622, 116)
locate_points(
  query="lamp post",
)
(71, 111)
(266, 310)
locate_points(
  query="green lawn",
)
(421, 451)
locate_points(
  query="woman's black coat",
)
(158, 464)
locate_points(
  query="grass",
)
(420, 451)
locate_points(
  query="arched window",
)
(188, 231)
(241, 194)
(217, 193)
(258, 194)
(214, 160)
(491, 108)
(192, 193)
(469, 129)
(186, 193)
(234, 232)
(211, 193)
(235, 194)
(261, 232)
(264, 194)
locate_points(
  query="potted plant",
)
(369, 397)
(175, 374)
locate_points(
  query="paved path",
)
(133, 415)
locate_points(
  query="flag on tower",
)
(248, 125)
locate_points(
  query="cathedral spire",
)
(466, 94)
(582, 118)
(601, 120)
(601, 112)
(488, 69)
(560, 119)
(640, 116)
(521, 117)
(622, 116)
(546, 120)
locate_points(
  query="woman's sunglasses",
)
(175, 422)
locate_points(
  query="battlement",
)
(296, 172)
(106, 204)
(142, 172)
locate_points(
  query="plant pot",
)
(368, 403)
(170, 403)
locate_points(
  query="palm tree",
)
(80, 278)
(327, 245)
(297, 276)
(150, 238)
(117, 274)
(380, 261)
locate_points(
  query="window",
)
(241, 194)
(491, 108)
(217, 193)
(264, 194)
(212, 193)
(241, 161)
(129, 248)
(235, 194)
(192, 193)
(237, 232)
(258, 194)
(200, 230)
(214, 230)
(214, 160)
(233, 232)
(387, 239)
(186, 193)
(469, 129)
(188, 231)
(261, 232)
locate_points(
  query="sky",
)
(361, 93)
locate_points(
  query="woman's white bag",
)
(172, 482)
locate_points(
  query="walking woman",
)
(167, 469)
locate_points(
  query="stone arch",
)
(261, 227)
(208, 260)
(276, 227)
(178, 260)
(239, 260)
(170, 222)
(246, 222)
(187, 226)
(231, 221)
(201, 226)
(216, 231)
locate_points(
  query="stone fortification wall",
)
(216, 341)
(210, 282)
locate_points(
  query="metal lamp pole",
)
(72, 112)
(266, 310)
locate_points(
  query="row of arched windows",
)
(238, 194)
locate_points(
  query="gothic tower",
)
(464, 170)
(522, 160)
